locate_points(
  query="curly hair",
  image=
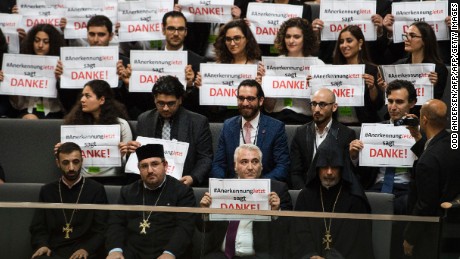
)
(56, 40)
(363, 56)
(111, 110)
(310, 40)
(430, 44)
(252, 50)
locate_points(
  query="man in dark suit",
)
(171, 121)
(251, 126)
(435, 179)
(308, 137)
(265, 235)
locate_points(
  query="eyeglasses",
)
(235, 39)
(172, 29)
(320, 104)
(410, 36)
(249, 98)
(169, 104)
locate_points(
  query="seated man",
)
(251, 126)
(248, 165)
(152, 234)
(331, 187)
(69, 233)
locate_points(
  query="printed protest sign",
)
(29, 75)
(148, 66)
(337, 15)
(431, 12)
(287, 76)
(78, 12)
(141, 20)
(386, 145)
(99, 143)
(175, 154)
(9, 23)
(266, 19)
(346, 81)
(207, 11)
(40, 12)
(220, 82)
(415, 73)
(239, 194)
(82, 64)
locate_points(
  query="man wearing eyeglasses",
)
(309, 137)
(171, 121)
(252, 127)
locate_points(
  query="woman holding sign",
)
(98, 106)
(46, 40)
(351, 50)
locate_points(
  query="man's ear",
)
(57, 162)
(261, 101)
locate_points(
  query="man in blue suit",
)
(252, 127)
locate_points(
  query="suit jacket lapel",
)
(182, 125)
(261, 131)
(154, 123)
(310, 138)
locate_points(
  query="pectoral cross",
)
(144, 224)
(327, 239)
(67, 229)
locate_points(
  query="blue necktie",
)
(388, 180)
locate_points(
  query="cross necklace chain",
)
(68, 228)
(145, 222)
(327, 239)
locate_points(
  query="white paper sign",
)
(287, 76)
(207, 11)
(41, 12)
(415, 73)
(99, 143)
(9, 23)
(266, 19)
(82, 64)
(29, 75)
(431, 12)
(386, 145)
(175, 154)
(337, 15)
(78, 12)
(141, 20)
(149, 65)
(239, 194)
(346, 81)
(220, 82)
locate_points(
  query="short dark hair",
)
(168, 85)
(172, 14)
(99, 21)
(67, 148)
(400, 84)
(251, 83)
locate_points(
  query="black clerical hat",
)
(150, 150)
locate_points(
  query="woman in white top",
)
(97, 106)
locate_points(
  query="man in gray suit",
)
(171, 121)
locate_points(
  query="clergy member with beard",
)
(331, 187)
(66, 233)
(148, 234)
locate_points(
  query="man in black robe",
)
(147, 234)
(331, 187)
(69, 233)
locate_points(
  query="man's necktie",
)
(247, 132)
(231, 238)
(166, 131)
(388, 180)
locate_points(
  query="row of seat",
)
(14, 223)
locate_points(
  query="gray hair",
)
(250, 147)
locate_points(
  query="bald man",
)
(434, 179)
(309, 137)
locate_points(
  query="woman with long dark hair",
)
(97, 106)
(351, 50)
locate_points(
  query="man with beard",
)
(69, 233)
(309, 137)
(171, 121)
(331, 186)
(252, 127)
